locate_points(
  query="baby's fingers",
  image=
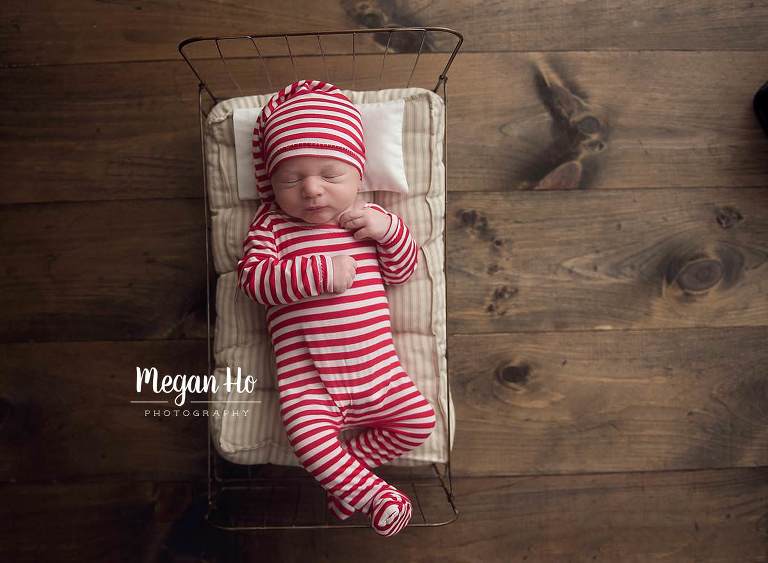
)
(351, 220)
(361, 234)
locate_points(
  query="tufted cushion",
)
(417, 307)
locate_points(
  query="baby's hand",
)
(344, 268)
(366, 222)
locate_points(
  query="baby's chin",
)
(322, 218)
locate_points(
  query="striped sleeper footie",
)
(337, 366)
(390, 511)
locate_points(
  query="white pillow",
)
(383, 131)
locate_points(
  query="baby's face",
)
(315, 189)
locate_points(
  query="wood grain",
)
(681, 516)
(103, 270)
(707, 516)
(81, 31)
(109, 521)
(607, 240)
(66, 412)
(561, 121)
(573, 402)
(607, 260)
(629, 120)
(542, 402)
(570, 260)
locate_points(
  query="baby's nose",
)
(311, 185)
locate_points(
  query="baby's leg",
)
(312, 421)
(404, 420)
(399, 423)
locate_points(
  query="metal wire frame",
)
(218, 485)
(318, 34)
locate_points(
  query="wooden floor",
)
(608, 298)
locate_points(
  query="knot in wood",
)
(728, 216)
(514, 375)
(700, 275)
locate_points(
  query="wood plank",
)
(110, 521)
(66, 412)
(83, 31)
(76, 522)
(103, 270)
(605, 120)
(703, 516)
(565, 261)
(619, 120)
(607, 260)
(101, 137)
(572, 402)
(130, 131)
(568, 402)
(707, 516)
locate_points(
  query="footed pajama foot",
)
(341, 509)
(390, 511)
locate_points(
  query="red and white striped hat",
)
(306, 118)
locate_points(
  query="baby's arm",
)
(269, 280)
(397, 250)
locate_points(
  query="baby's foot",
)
(341, 509)
(390, 511)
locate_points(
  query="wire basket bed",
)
(268, 497)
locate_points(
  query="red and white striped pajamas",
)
(337, 366)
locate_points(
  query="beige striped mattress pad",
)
(417, 307)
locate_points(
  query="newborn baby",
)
(317, 256)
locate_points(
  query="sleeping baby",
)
(318, 256)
